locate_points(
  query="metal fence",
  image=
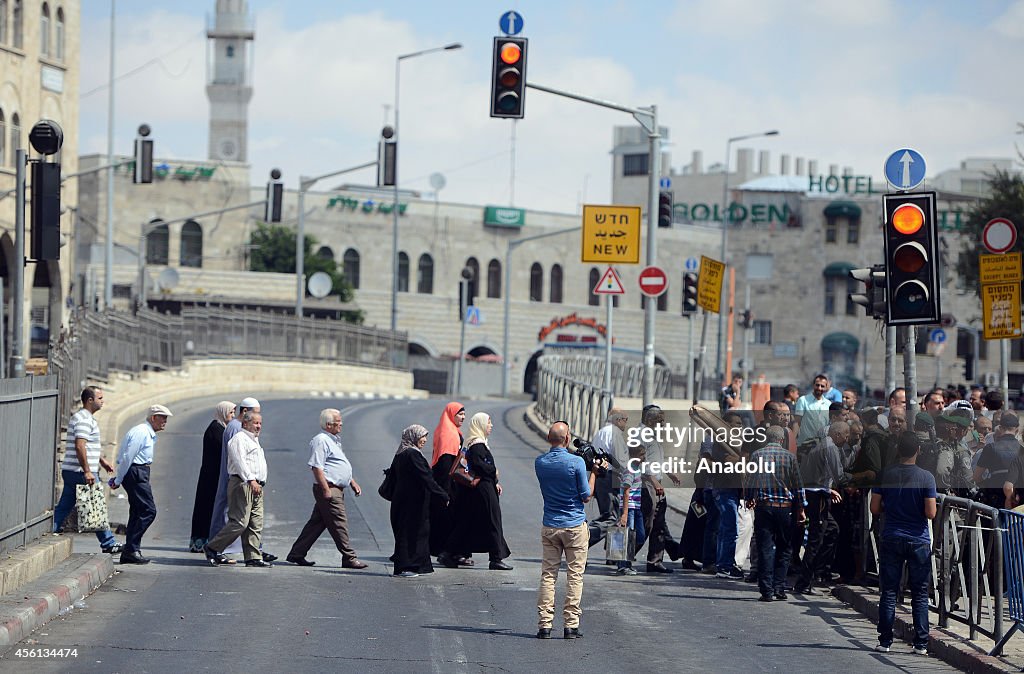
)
(98, 343)
(28, 417)
(967, 565)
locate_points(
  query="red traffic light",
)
(508, 77)
(510, 53)
(908, 219)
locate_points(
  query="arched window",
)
(3, 21)
(44, 31)
(350, 267)
(556, 284)
(425, 275)
(191, 244)
(15, 136)
(474, 280)
(157, 243)
(494, 279)
(594, 299)
(325, 252)
(536, 282)
(16, 24)
(60, 34)
(403, 273)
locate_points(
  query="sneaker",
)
(626, 571)
(882, 648)
(408, 574)
(732, 574)
(920, 650)
(114, 549)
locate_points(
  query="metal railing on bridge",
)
(571, 389)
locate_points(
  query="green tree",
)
(273, 250)
(1005, 201)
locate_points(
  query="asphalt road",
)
(180, 614)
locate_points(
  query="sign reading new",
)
(611, 234)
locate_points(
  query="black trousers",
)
(141, 506)
(658, 535)
(822, 535)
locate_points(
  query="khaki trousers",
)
(328, 514)
(245, 519)
(573, 543)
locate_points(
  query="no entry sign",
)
(653, 281)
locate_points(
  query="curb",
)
(948, 647)
(21, 618)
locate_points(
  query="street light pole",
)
(394, 204)
(725, 234)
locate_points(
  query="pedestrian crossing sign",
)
(610, 284)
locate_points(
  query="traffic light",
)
(664, 208)
(143, 173)
(689, 293)
(508, 78)
(45, 242)
(873, 297)
(911, 259)
(275, 195)
(387, 155)
(746, 319)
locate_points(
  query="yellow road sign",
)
(709, 284)
(611, 234)
(1003, 268)
(1000, 304)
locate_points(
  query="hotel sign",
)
(502, 216)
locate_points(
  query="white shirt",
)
(611, 440)
(245, 457)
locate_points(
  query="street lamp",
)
(394, 205)
(725, 233)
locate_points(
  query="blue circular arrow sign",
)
(511, 23)
(905, 169)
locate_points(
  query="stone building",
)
(39, 79)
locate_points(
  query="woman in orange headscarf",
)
(447, 446)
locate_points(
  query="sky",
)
(845, 82)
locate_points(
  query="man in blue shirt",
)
(566, 486)
(907, 496)
(133, 461)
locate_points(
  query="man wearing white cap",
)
(220, 503)
(133, 461)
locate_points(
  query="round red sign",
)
(999, 235)
(653, 281)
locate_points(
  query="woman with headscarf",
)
(209, 474)
(415, 489)
(478, 516)
(447, 446)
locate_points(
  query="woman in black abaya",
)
(209, 474)
(410, 506)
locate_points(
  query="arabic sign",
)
(503, 216)
(1005, 268)
(1000, 304)
(611, 234)
(709, 284)
(566, 321)
(367, 206)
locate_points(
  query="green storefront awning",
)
(838, 269)
(839, 209)
(840, 341)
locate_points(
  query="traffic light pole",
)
(17, 366)
(910, 374)
(890, 360)
(648, 119)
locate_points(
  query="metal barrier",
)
(967, 564)
(1013, 553)
(97, 343)
(28, 417)
(627, 376)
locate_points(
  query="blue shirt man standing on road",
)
(907, 496)
(566, 486)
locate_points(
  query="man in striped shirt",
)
(776, 494)
(247, 470)
(82, 461)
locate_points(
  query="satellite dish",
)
(168, 279)
(437, 181)
(319, 284)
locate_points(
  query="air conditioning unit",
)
(990, 379)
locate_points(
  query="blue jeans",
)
(710, 530)
(73, 478)
(772, 527)
(636, 523)
(727, 501)
(916, 555)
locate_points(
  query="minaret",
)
(229, 85)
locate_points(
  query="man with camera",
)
(567, 483)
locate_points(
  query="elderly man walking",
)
(332, 473)
(247, 470)
(134, 459)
